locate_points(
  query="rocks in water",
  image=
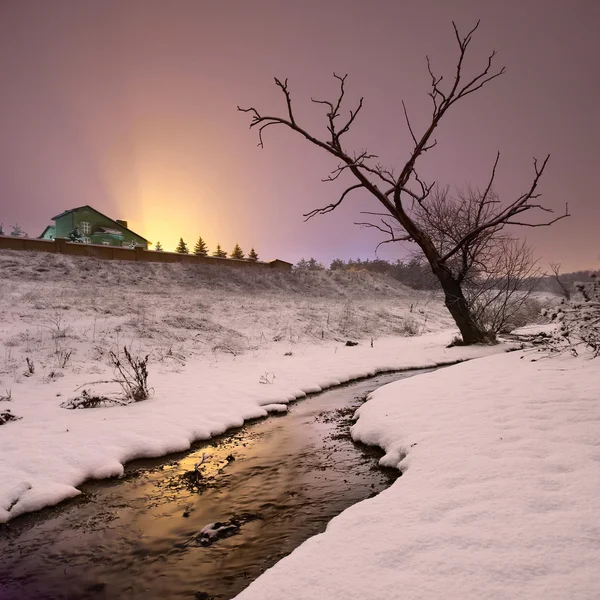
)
(212, 532)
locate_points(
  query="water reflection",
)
(282, 479)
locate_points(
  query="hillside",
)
(54, 306)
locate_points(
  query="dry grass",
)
(68, 313)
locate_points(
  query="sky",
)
(130, 106)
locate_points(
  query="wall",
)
(61, 246)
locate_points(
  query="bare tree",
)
(403, 196)
(497, 272)
(555, 267)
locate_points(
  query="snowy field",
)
(499, 498)
(500, 493)
(213, 334)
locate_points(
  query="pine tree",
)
(252, 255)
(17, 231)
(74, 236)
(201, 249)
(237, 252)
(1, 229)
(182, 247)
(158, 247)
(219, 252)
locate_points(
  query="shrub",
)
(131, 375)
(578, 320)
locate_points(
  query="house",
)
(94, 228)
(282, 265)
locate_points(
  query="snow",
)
(66, 447)
(225, 346)
(499, 497)
(500, 493)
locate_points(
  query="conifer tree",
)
(201, 249)
(158, 247)
(74, 236)
(252, 255)
(182, 247)
(237, 252)
(17, 231)
(219, 252)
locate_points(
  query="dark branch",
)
(330, 207)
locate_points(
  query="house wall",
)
(48, 234)
(72, 220)
(61, 246)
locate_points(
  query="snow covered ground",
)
(213, 334)
(499, 498)
(500, 493)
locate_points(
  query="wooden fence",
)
(61, 246)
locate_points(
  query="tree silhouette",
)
(158, 247)
(402, 197)
(219, 252)
(182, 247)
(201, 249)
(252, 255)
(17, 231)
(237, 252)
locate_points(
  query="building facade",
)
(93, 227)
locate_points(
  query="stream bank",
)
(205, 523)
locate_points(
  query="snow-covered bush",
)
(578, 320)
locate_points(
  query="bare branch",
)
(387, 229)
(504, 217)
(556, 271)
(412, 133)
(288, 99)
(330, 207)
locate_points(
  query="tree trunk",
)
(457, 305)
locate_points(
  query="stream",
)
(264, 489)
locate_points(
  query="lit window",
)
(86, 227)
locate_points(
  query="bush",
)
(89, 400)
(131, 375)
(578, 320)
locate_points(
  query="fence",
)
(60, 246)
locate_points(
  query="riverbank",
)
(50, 450)
(272, 484)
(499, 496)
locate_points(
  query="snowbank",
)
(50, 451)
(499, 498)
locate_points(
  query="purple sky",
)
(130, 106)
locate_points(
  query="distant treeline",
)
(416, 273)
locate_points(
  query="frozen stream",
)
(274, 483)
